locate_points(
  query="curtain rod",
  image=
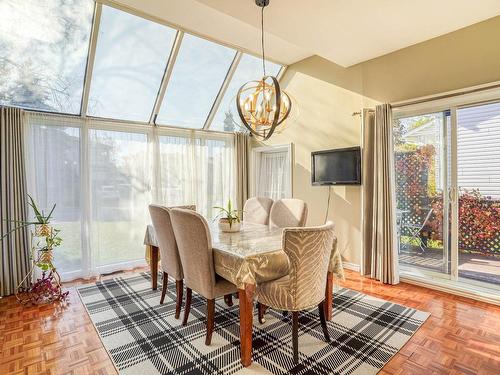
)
(445, 96)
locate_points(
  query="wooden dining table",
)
(247, 258)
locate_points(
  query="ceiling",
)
(346, 32)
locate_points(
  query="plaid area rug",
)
(143, 337)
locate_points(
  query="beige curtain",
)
(14, 249)
(379, 256)
(242, 145)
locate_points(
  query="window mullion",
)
(90, 59)
(166, 76)
(222, 90)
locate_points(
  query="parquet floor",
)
(461, 336)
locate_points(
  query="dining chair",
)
(169, 253)
(256, 210)
(309, 251)
(196, 254)
(288, 213)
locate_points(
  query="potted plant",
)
(229, 218)
(44, 238)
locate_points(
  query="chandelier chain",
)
(262, 40)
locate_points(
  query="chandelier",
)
(262, 105)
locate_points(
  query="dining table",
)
(246, 258)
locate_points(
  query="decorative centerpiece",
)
(44, 238)
(229, 219)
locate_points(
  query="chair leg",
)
(228, 299)
(295, 336)
(261, 308)
(210, 320)
(179, 287)
(189, 294)
(164, 287)
(322, 318)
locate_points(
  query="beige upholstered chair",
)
(256, 210)
(195, 250)
(288, 213)
(309, 251)
(169, 254)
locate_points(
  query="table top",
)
(251, 240)
(252, 255)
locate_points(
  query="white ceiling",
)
(346, 32)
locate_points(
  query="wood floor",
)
(461, 336)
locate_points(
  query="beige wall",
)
(327, 94)
(464, 58)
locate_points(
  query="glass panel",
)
(420, 181)
(130, 60)
(120, 195)
(55, 178)
(249, 69)
(43, 53)
(478, 179)
(196, 171)
(198, 74)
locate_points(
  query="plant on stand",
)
(44, 239)
(229, 218)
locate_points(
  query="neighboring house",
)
(478, 155)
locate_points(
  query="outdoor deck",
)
(471, 266)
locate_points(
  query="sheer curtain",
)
(103, 175)
(273, 179)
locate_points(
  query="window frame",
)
(254, 166)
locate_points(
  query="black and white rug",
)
(143, 337)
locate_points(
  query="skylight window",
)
(130, 61)
(199, 71)
(45, 46)
(43, 53)
(249, 68)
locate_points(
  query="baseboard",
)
(453, 288)
(351, 266)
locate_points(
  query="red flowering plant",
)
(479, 222)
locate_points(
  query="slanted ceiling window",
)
(133, 69)
(43, 53)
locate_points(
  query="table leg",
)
(329, 296)
(154, 266)
(246, 323)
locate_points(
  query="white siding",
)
(479, 149)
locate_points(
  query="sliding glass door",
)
(478, 182)
(422, 207)
(447, 170)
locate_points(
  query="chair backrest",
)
(195, 250)
(288, 213)
(309, 250)
(169, 254)
(257, 210)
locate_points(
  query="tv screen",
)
(336, 167)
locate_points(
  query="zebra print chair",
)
(309, 251)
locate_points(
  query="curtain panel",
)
(103, 175)
(379, 257)
(242, 146)
(14, 249)
(274, 175)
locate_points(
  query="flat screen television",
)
(336, 167)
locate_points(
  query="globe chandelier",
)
(262, 105)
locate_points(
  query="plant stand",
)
(48, 288)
